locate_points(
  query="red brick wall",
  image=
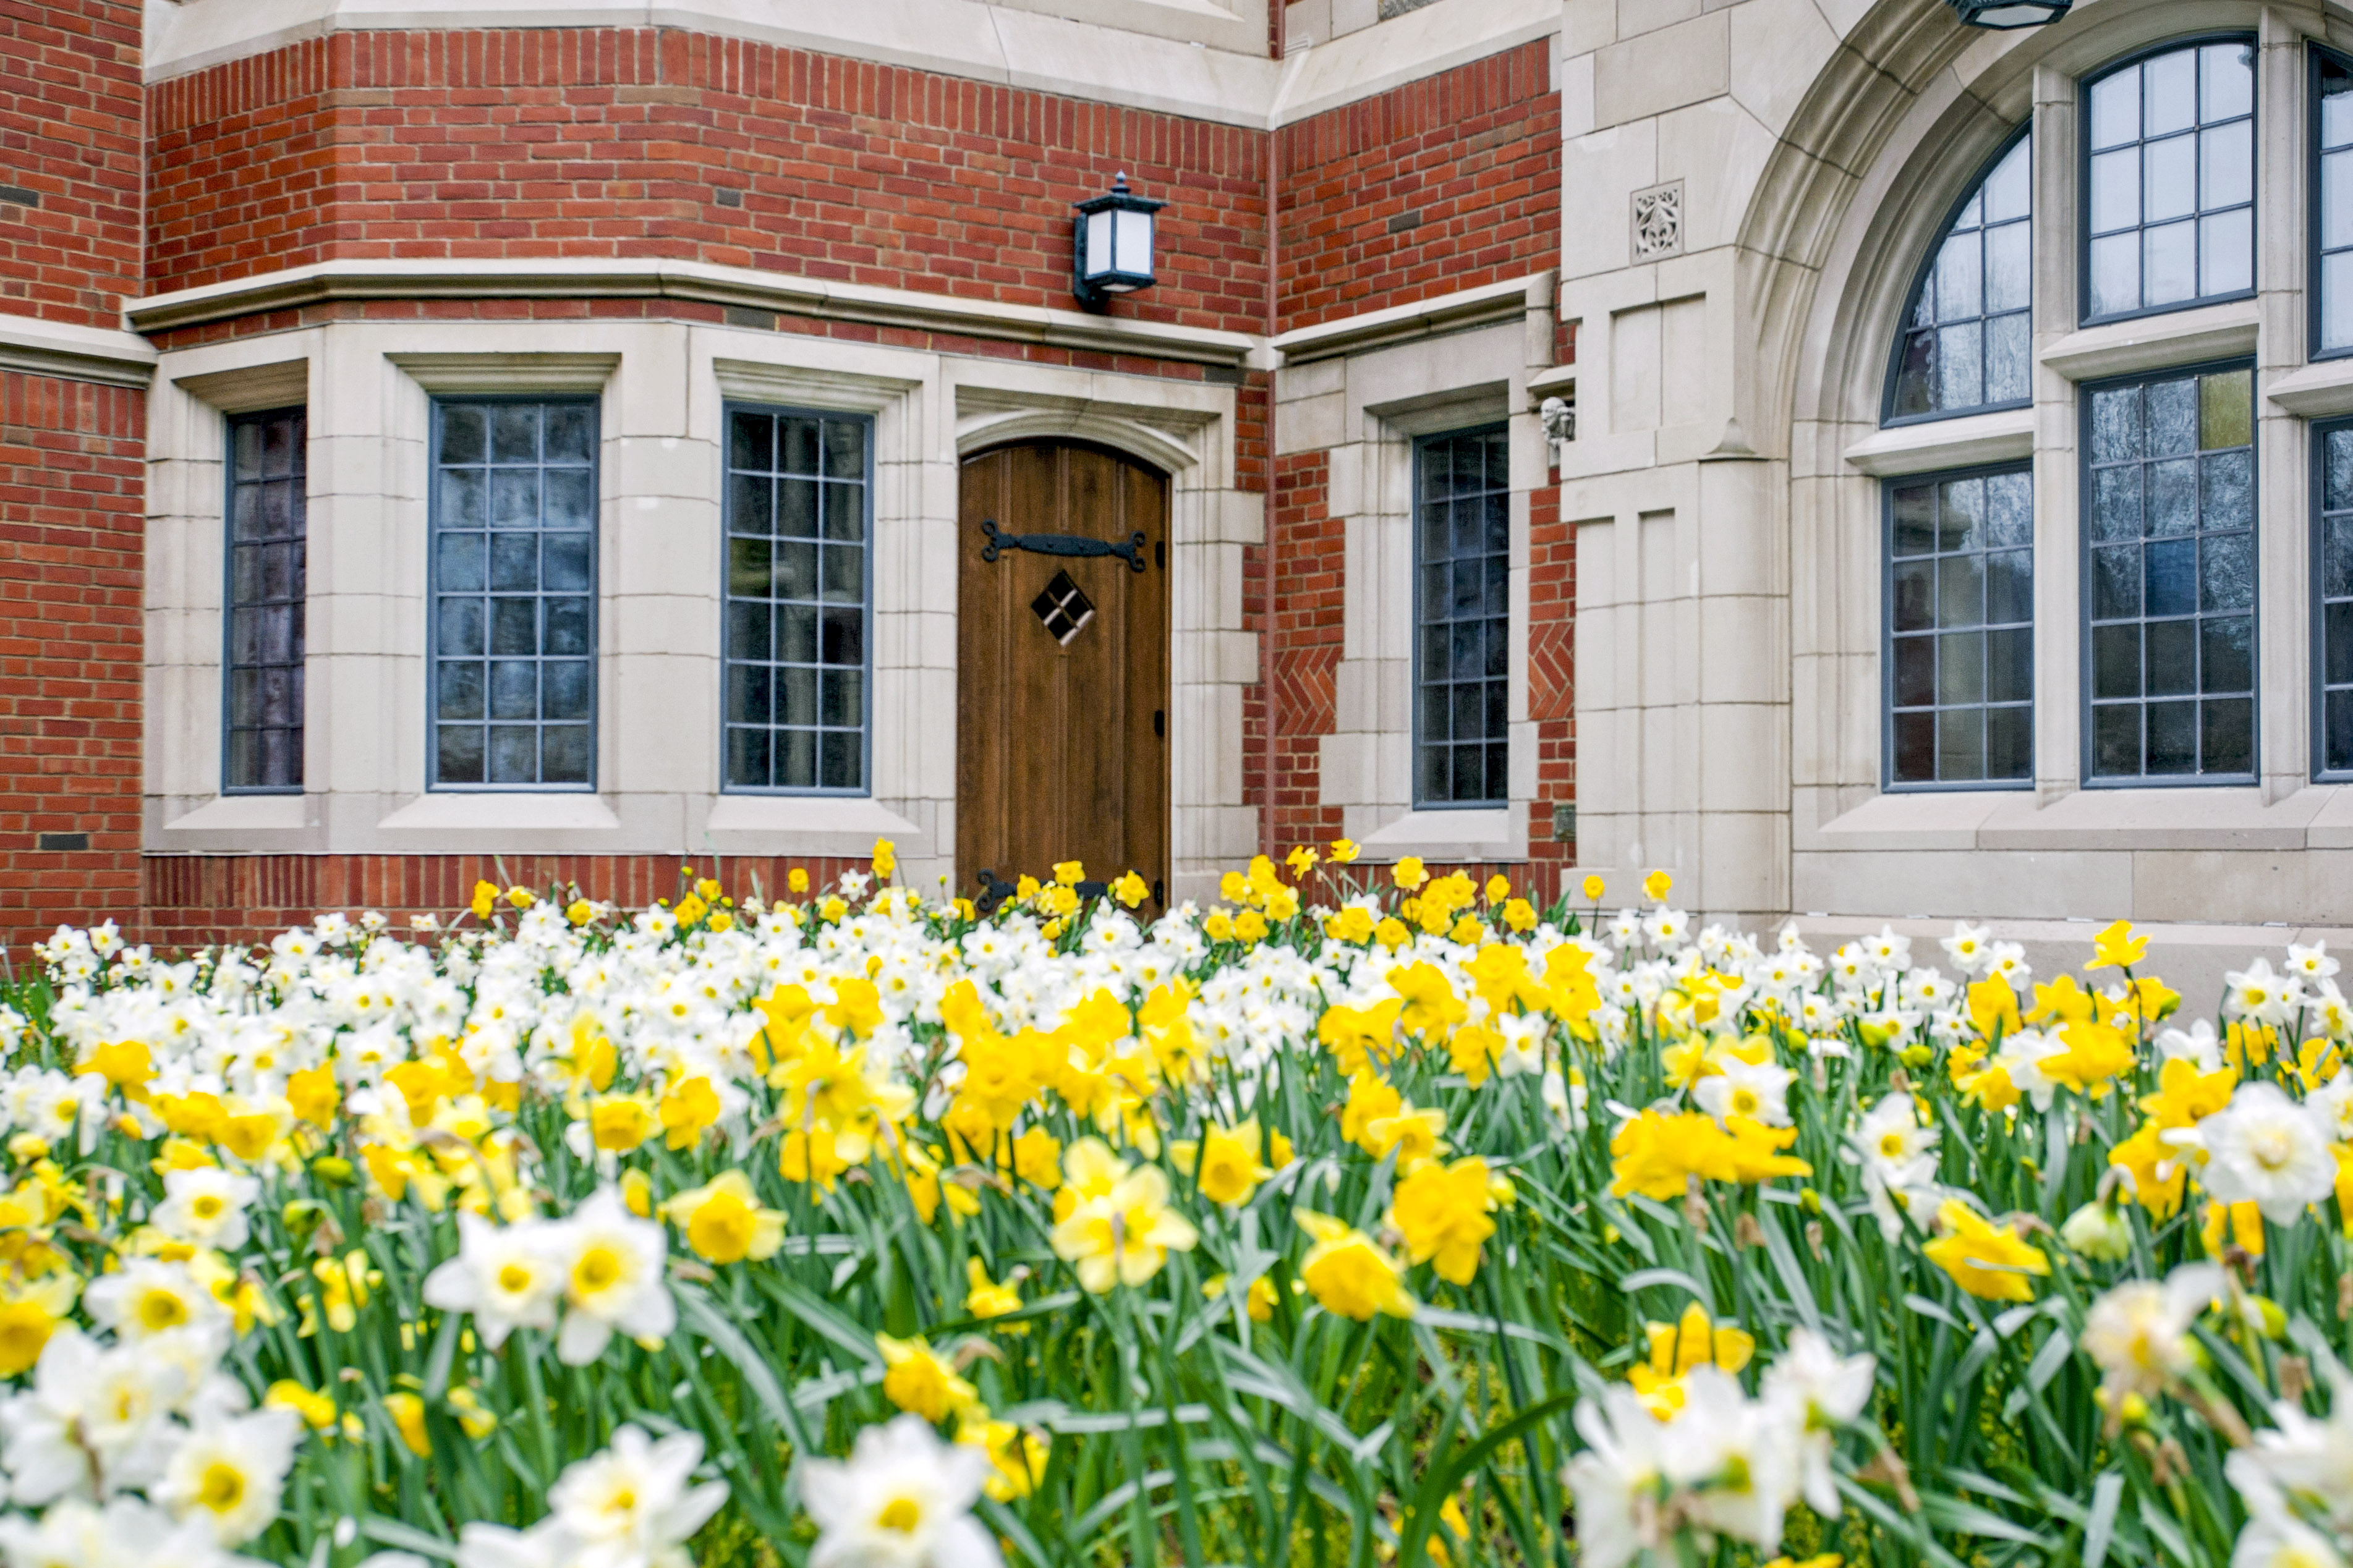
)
(1552, 680)
(1304, 658)
(71, 533)
(620, 142)
(1447, 184)
(71, 107)
(194, 901)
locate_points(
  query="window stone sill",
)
(2319, 816)
(1958, 443)
(1444, 835)
(807, 824)
(2156, 342)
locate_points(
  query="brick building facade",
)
(410, 434)
(232, 215)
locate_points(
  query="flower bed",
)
(1358, 1219)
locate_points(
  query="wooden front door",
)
(1063, 665)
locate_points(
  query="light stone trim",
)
(1946, 444)
(663, 388)
(37, 347)
(1363, 410)
(2156, 342)
(2320, 391)
(625, 278)
(1508, 300)
(1203, 60)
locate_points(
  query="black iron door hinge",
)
(1066, 544)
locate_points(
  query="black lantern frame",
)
(1112, 221)
(2000, 15)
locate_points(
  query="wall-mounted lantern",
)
(1110, 248)
(2003, 14)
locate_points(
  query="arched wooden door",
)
(1062, 665)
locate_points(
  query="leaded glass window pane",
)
(2333, 575)
(268, 545)
(1960, 629)
(514, 587)
(2169, 578)
(1965, 344)
(2170, 207)
(798, 565)
(2333, 126)
(1462, 528)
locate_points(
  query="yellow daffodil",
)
(724, 1221)
(1983, 1259)
(1118, 1226)
(1224, 1163)
(918, 1379)
(1442, 1211)
(1349, 1273)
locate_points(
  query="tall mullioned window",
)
(513, 593)
(1960, 633)
(2332, 212)
(2332, 572)
(2170, 577)
(1461, 530)
(1965, 345)
(2170, 155)
(268, 549)
(795, 693)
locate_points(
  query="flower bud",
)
(2098, 1232)
(332, 1170)
(302, 1217)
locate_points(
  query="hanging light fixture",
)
(2005, 14)
(1111, 246)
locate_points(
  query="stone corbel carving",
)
(1559, 418)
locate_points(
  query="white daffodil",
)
(2282, 1541)
(2198, 1045)
(148, 1296)
(126, 1533)
(2303, 1460)
(95, 1420)
(1616, 1480)
(1816, 1391)
(2267, 1150)
(497, 1546)
(508, 1277)
(1898, 1156)
(612, 1279)
(630, 1506)
(1757, 1090)
(1740, 1462)
(1969, 946)
(228, 1473)
(902, 1500)
(2310, 964)
(2139, 1332)
(205, 1208)
(2256, 994)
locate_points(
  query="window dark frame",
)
(2315, 55)
(230, 425)
(1421, 445)
(2083, 196)
(1926, 274)
(729, 408)
(594, 404)
(2086, 778)
(2321, 430)
(1888, 782)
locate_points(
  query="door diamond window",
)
(1062, 608)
